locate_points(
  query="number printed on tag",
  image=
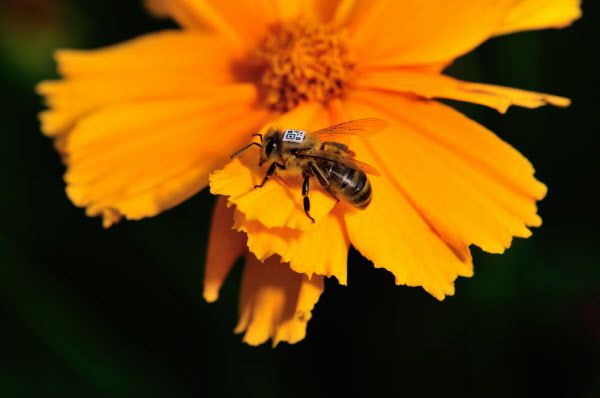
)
(294, 136)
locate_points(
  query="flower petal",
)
(275, 302)
(470, 186)
(325, 11)
(433, 85)
(441, 30)
(413, 32)
(539, 14)
(279, 202)
(225, 245)
(198, 15)
(394, 236)
(164, 52)
(243, 21)
(142, 158)
(156, 66)
(323, 250)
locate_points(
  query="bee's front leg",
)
(305, 186)
(270, 172)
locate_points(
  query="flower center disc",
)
(303, 61)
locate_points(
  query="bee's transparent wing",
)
(360, 127)
(344, 160)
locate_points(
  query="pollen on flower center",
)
(301, 61)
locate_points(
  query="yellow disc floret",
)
(303, 61)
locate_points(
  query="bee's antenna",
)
(244, 148)
(259, 135)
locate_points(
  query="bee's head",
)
(271, 145)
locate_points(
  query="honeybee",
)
(300, 153)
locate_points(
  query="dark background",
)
(88, 312)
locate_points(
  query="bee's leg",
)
(270, 172)
(317, 172)
(305, 185)
(322, 179)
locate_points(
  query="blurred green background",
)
(88, 312)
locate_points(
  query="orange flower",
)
(142, 124)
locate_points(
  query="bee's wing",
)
(360, 127)
(344, 160)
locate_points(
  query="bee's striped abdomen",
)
(348, 183)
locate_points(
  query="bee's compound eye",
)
(270, 147)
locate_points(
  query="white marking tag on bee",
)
(296, 136)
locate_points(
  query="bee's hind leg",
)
(305, 186)
(322, 179)
(270, 172)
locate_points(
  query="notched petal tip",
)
(541, 191)
(276, 303)
(262, 241)
(322, 251)
(41, 88)
(110, 217)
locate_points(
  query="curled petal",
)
(323, 250)
(225, 245)
(434, 85)
(279, 202)
(275, 302)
